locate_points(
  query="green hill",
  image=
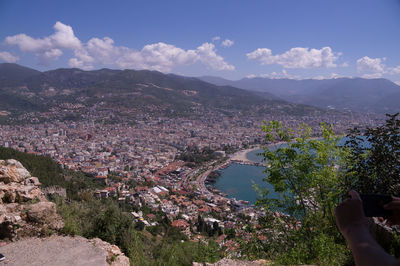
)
(143, 91)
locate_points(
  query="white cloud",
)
(279, 75)
(375, 68)
(372, 76)
(337, 76)
(331, 76)
(227, 43)
(50, 47)
(7, 57)
(297, 57)
(251, 76)
(64, 37)
(216, 38)
(158, 56)
(207, 55)
(374, 65)
(397, 82)
(394, 70)
(76, 63)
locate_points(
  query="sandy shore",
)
(241, 155)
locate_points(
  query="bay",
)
(237, 182)
(237, 179)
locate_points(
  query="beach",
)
(241, 155)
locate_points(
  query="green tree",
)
(306, 173)
(373, 163)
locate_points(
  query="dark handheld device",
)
(373, 205)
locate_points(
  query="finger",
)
(394, 205)
(395, 198)
(354, 194)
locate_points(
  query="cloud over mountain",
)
(297, 57)
(50, 47)
(102, 51)
(367, 64)
(7, 57)
(375, 68)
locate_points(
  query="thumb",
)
(354, 194)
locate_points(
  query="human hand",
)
(393, 206)
(350, 214)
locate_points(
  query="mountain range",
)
(23, 89)
(355, 94)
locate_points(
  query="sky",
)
(227, 38)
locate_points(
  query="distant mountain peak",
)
(357, 94)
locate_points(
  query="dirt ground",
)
(56, 250)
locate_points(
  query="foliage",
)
(193, 154)
(373, 163)
(208, 229)
(48, 171)
(305, 173)
(229, 149)
(104, 219)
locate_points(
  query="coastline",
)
(241, 156)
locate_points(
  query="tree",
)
(306, 173)
(374, 160)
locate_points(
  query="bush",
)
(373, 163)
(306, 174)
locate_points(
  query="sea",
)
(237, 180)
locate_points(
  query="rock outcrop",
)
(24, 209)
(26, 214)
(114, 255)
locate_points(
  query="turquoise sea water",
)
(254, 156)
(237, 180)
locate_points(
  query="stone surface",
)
(25, 212)
(12, 171)
(114, 255)
(33, 181)
(61, 251)
(24, 209)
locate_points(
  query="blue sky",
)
(227, 38)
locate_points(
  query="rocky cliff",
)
(26, 215)
(24, 210)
